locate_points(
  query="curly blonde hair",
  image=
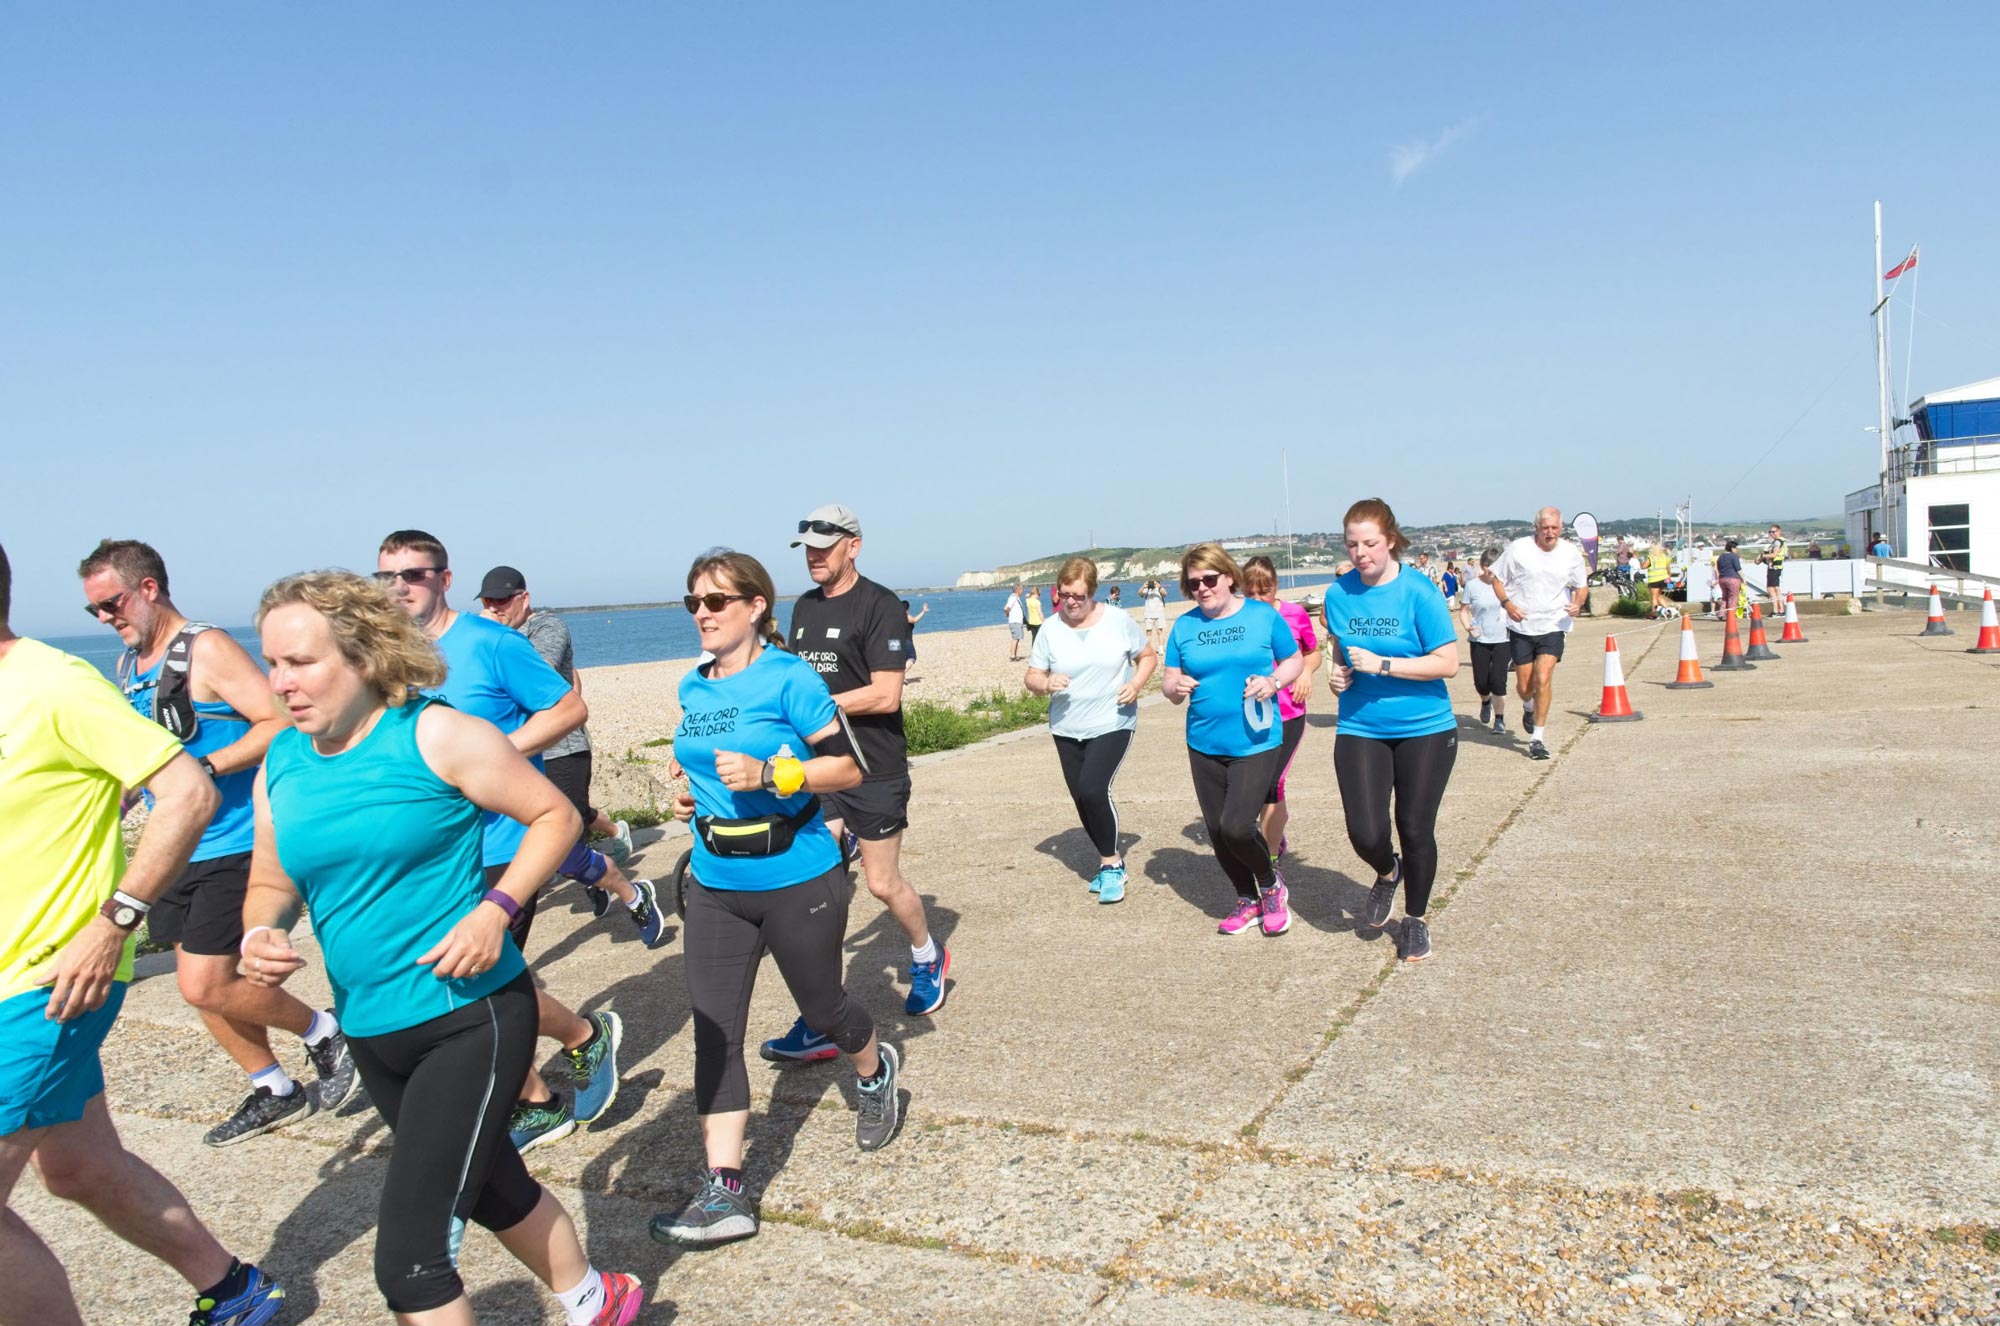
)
(372, 633)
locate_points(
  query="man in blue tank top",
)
(220, 693)
(492, 672)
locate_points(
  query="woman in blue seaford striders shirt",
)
(759, 735)
(1226, 661)
(1398, 733)
(368, 811)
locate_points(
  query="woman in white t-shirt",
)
(1485, 619)
(1092, 661)
(1153, 599)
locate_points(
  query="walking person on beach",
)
(1016, 615)
(1153, 602)
(910, 620)
(1728, 579)
(852, 630)
(1226, 660)
(1092, 661)
(1542, 585)
(1033, 604)
(1398, 736)
(492, 672)
(504, 596)
(69, 903)
(760, 734)
(1492, 655)
(369, 812)
(1260, 582)
(199, 684)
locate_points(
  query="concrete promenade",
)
(1711, 1033)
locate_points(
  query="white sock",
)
(637, 898)
(275, 1080)
(928, 953)
(324, 1024)
(581, 1304)
(1538, 735)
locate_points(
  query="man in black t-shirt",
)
(855, 634)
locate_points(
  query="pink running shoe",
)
(1276, 902)
(622, 1298)
(1244, 916)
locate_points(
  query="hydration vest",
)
(173, 693)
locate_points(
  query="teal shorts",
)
(50, 1070)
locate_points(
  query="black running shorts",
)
(1528, 648)
(877, 809)
(203, 910)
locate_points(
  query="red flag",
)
(1901, 267)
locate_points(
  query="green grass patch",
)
(1633, 605)
(658, 741)
(930, 727)
(639, 817)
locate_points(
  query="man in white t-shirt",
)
(1016, 615)
(1543, 584)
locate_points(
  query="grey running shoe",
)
(716, 1214)
(1382, 898)
(1500, 726)
(260, 1113)
(1485, 711)
(880, 1110)
(1416, 939)
(335, 1066)
(619, 845)
(1537, 751)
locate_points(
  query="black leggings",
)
(1295, 732)
(1416, 768)
(1089, 765)
(1231, 790)
(728, 933)
(445, 1088)
(1492, 668)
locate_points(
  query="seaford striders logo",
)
(822, 662)
(1221, 635)
(713, 723)
(1374, 627)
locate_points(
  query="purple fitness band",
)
(503, 902)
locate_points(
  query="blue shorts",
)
(50, 1070)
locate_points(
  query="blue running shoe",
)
(593, 1067)
(652, 925)
(927, 984)
(262, 1299)
(533, 1125)
(800, 1045)
(1109, 886)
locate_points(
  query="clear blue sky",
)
(589, 288)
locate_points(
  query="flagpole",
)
(1882, 384)
(1291, 557)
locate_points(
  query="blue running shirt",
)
(769, 708)
(234, 827)
(1404, 618)
(492, 672)
(386, 855)
(1222, 653)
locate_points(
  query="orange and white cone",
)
(1732, 648)
(1936, 626)
(1689, 678)
(1617, 703)
(1793, 634)
(1989, 628)
(1760, 650)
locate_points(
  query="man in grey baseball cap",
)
(827, 526)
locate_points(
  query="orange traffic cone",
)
(1989, 628)
(1732, 648)
(1617, 704)
(1793, 635)
(1689, 678)
(1760, 650)
(1936, 626)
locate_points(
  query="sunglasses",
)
(714, 602)
(415, 575)
(499, 603)
(823, 527)
(1068, 597)
(108, 608)
(1207, 580)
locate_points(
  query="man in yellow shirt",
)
(69, 747)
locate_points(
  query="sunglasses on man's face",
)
(824, 527)
(714, 602)
(499, 603)
(1207, 580)
(413, 575)
(108, 608)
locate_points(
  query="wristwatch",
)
(207, 767)
(122, 912)
(1384, 669)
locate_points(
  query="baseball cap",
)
(826, 526)
(502, 582)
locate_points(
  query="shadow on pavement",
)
(1076, 853)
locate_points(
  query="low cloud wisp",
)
(1406, 159)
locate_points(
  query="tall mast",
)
(1882, 382)
(1291, 558)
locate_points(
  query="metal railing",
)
(1892, 573)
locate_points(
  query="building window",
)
(1951, 537)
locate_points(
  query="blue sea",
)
(647, 635)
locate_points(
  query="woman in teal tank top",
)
(368, 811)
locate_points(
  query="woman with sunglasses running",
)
(1092, 661)
(1260, 582)
(1226, 661)
(760, 735)
(369, 810)
(1398, 735)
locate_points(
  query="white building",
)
(1942, 491)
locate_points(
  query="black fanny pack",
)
(760, 835)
